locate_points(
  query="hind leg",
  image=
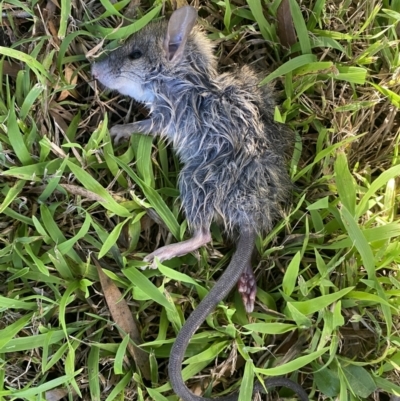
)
(247, 288)
(200, 238)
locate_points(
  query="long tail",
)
(221, 289)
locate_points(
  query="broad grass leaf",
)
(31, 392)
(300, 319)
(354, 75)
(172, 313)
(267, 31)
(93, 362)
(57, 236)
(183, 278)
(37, 341)
(291, 274)
(13, 329)
(17, 216)
(67, 245)
(120, 387)
(301, 28)
(327, 382)
(359, 241)
(140, 280)
(154, 368)
(322, 41)
(64, 45)
(11, 194)
(93, 185)
(321, 265)
(387, 385)
(210, 354)
(367, 297)
(20, 273)
(312, 68)
(338, 319)
(53, 183)
(314, 305)
(359, 380)
(11, 303)
(227, 15)
(33, 172)
(290, 66)
(112, 238)
(294, 365)
(355, 106)
(45, 353)
(50, 225)
(322, 203)
(111, 9)
(30, 99)
(61, 265)
(247, 384)
(99, 135)
(370, 20)
(375, 234)
(345, 183)
(65, 300)
(64, 19)
(367, 257)
(390, 199)
(323, 154)
(378, 183)
(156, 395)
(30, 61)
(37, 263)
(270, 328)
(125, 31)
(17, 140)
(143, 159)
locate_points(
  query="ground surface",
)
(326, 314)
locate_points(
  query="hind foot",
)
(247, 288)
(167, 252)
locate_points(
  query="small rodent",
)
(233, 153)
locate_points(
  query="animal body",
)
(233, 153)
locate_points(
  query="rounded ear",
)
(180, 25)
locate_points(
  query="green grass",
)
(328, 274)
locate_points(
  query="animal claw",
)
(247, 288)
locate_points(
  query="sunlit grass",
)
(328, 273)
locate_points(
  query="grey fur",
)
(220, 125)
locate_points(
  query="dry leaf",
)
(286, 32)
(122, 316)
(72, 79)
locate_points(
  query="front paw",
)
(121, 132)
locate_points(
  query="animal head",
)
(160, 51)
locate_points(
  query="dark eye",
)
(135, 54)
